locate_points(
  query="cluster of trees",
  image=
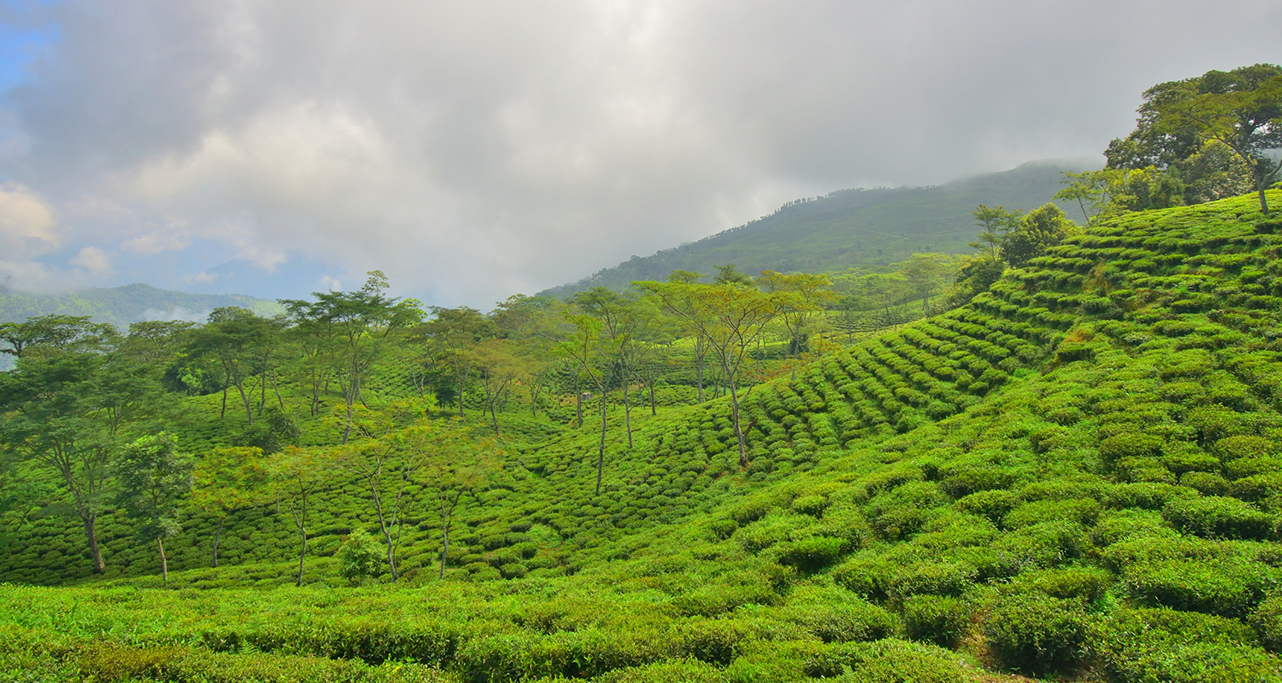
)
(97, 410)
(1196, 140)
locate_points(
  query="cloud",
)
(26, 222)
(471, 150)
(93, 260)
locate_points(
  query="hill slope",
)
(1078, 476)
(848, 228)
(123, 305)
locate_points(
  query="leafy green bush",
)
(358, 556)
(936, 619)
(991, 504)
(1036, 634)
(1267, 620)
(1228, 586)
(837, 616)
(933, 578)
(811, 554)
(1087, 584)
(670, 671)
(1141, 645)
(1218, 517)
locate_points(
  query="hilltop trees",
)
(1039, 230)
(1239, 109)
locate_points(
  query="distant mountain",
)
(850, 228)
(128, 304)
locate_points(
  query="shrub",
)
(1079, 511)
(1267, 620)
(1228, 586)
(716, 641)
(1234, 447)
(868, 577)
(1178, 647)
(991, 504)
(1129, 445)
(900, 661)
(1217, 517)
(811, 554)
(810, 505)
(358, 557)
(837, 616)
(1146, 495)
(1036, 634)
(669, 671)
(1114, 527)
(936, 619)
(934, 578)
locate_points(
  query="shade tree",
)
(155, 480)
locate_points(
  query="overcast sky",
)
(476, 149)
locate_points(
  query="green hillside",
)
(848, 228)
(1075, 477)
(121, 306)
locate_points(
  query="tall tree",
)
(731, 317)
(363, 322)
(452, 334)
(499, 370)
(154, 481)
(994, 223)
(1241, 109)
(457, 466)
(297, 474)
(390, 449)
(226, 480)
(801, 297)
(1039, 230)
(234, 336)
(68, 405)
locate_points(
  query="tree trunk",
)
(627, 411)
(445, 543)
(276, 388)
(1264, 201)
(223, 413)
(494, 417)
(578, 401)
(650, 385)
(164, 563)
(600, 457)
(698, 364)
(262, 393)
(462, 384)
(382, 525)
(244, 398)
(734, 415)
(218, 534)
(92, 534)
(302, 554)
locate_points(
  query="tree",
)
(686, 277)
(457, 466)
(453, 334)
(996, 224)
(499, 369)
(362, 322)
(801, 296)
(297, 473)
(1241, 109)
(591, 358)
(1088, 189)
(357, 556)
(390, 448)
(1039, 230)
(233, 335)
(55, 333)
(68, 404)
(154, 480)
(226, 480)
(731, 317)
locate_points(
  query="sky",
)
(472, 150)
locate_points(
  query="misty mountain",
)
(128, 304)
(850, 228)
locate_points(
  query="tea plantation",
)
(1077, 476)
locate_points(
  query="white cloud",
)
(26, 221)
(93, 260)
(475, 149)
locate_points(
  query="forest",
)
(1055, 458)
